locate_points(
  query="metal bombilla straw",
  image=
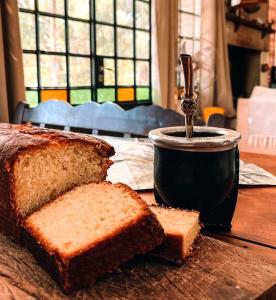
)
(189, 97)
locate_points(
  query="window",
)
(188, 33)
(86, 50)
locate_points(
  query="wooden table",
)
(254, 221)
(217, 270)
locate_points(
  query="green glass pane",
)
(186, 25)
(104, 11)
(109, 74)
(124, 12)
(142, 15)
(27, 30)
(52, 34)
(142, 73)
(142, 94)
(53, 70)
(30, 70)
(187, 5)
(197, 29)
(142, 44)
(80, 71)
(78, 37)
(51, 6)
(124, 42)
(78, 8)
(29, 4)
(198, 7)
(106, 95)
(80, 96)
(105, 40)
(32, 98)
(125, 72)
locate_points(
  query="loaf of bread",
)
(89, 231)
(37, 165)
(181, 230)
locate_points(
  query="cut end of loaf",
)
(86, 216)
(181, 230)
(42, 174)
(89, 231)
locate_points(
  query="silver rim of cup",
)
(224, 139)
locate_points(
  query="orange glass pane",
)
(125, 94)
(210, 110)
(54, 95)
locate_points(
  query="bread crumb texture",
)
(84, 217)
(179, 222)
(41, 175)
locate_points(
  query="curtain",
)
(164, 52)
(12, 88)
(215, 73)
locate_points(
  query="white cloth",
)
(133, 165)
(262, 118)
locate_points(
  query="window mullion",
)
(37, 48)
(91, 56)
(115, 50)
(92, 37)
(67, 51)
(182, 35)
(150, 54)
(134, 48)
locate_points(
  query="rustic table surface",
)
(242, 267)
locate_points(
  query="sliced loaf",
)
(37, 165)
(181, 230)
(89, 231)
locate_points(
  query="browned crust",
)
(17, 139)
(139, 236)
(8, 218)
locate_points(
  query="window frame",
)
(93, 22)
(183, 37)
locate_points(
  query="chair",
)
(94, 118)
(210, 110)
(217, 120)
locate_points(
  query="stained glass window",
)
(86, 50)
(188, 31)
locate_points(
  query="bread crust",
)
(16, 140)
(82, 268)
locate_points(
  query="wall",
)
(251, 38)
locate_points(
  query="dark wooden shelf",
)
(238, 21)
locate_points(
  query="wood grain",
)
(216, 271)
(250, 246)
(255, 214)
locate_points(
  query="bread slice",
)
(89, 231)
(37, 165)
(181, 230)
